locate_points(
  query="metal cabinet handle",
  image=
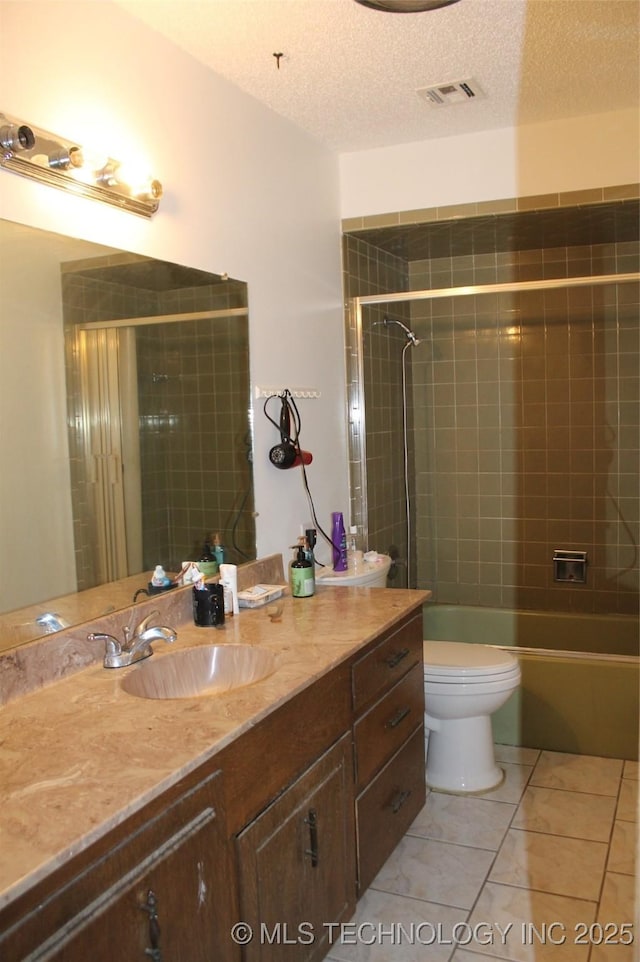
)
(398, 800)
(312, 821)
(399, 716)
(151, 906)
(395, 659)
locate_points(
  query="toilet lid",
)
(441, 657)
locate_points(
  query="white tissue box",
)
(259, 595)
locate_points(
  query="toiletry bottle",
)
(207, 563)
(229, 581)
(301, 576)
(310, 539)
(339, 541)
(159, 579)
(218, 550)
(354, 553)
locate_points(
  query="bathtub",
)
(580, 675)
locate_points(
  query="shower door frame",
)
(356, 414)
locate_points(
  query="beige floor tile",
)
(514, 784)
(435, 871)
(631, 770)
(550, 863)
(558, 812)
(628, 801)
(622, 852)
(536, 926)
(578, 773)
(465, 820)
(516, 754)
(393, 928)
(617, 907)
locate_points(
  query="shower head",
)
(408, 333)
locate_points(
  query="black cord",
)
(236, 522)
(288, 404)
(297, 422)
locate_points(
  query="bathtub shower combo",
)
(500, 663)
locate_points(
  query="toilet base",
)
(460, 756)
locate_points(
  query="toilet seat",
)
(456, 661)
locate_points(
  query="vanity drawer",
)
(387, 807)
(387, 724)
(387, 662)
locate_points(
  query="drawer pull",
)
(395, 659)
(151, 906)
(312, 821)
(398, 800)
(399, 716)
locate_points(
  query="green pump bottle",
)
(301, 576)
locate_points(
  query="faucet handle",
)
(112, 648)
(131, 633)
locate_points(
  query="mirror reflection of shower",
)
(410, 341)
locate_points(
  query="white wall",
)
(245, 192)
(599, 150)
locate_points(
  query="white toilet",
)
(369, 574)
(463, 685)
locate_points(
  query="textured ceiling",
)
(348, 75)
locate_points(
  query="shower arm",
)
(408, 333)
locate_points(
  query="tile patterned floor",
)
(526, 872)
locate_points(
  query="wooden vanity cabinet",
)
(388, 701)
(163, 891)
(300, 813)
(296, 863)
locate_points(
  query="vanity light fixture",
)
(54, 160)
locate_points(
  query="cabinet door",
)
(170, 907)
(296, 863)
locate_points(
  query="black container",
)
(208, 606)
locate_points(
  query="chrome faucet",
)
(136, 645)
(49, 621)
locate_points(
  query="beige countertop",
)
(80, 754)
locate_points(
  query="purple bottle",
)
(339, 539)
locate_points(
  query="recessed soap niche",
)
(570, 566)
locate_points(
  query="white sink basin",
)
(207, 670)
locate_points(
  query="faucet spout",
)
(140, 646)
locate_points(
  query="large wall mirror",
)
(125, 386)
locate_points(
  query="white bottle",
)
(229, 581)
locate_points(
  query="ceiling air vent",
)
(454, 92)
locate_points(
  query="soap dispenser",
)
(301, 575)
(218, 550)
(207, 563)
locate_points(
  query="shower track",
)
(355, 383)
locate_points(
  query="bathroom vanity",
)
(148, 828)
